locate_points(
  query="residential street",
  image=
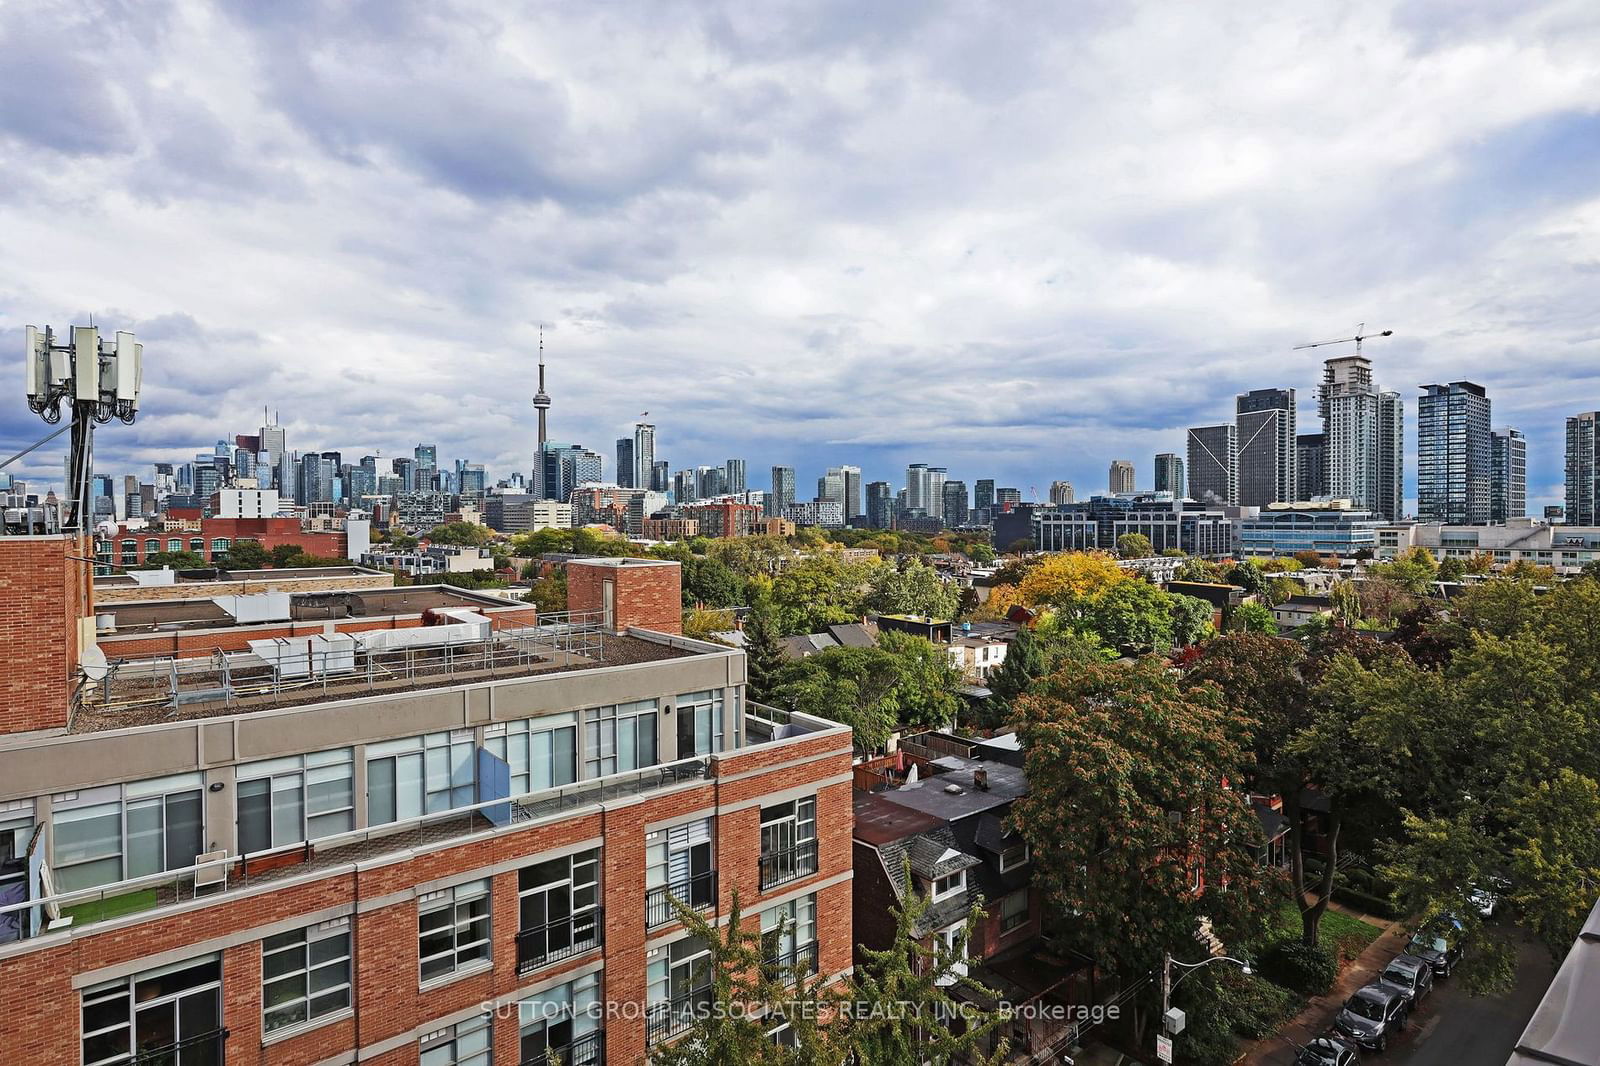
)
(1451, 1029)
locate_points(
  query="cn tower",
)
(541, 403)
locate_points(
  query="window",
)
(680, 987)
(699, 723)
(678, 865)
(619, 738)
(789, 936)
(542, 752)
(108, 834)
(16, 830)
(197, 545)
(130, 553)
(305, 974)
(467, 1043)
(558, 908)
(1013, 856)
(419, 775)
(172, 1016)
(788, 841)
(452, 929)
(219, 545)
(303, 797)
(562, 1022)
(174, 544)
(949, 884)
(1014, 910)
(152, 546)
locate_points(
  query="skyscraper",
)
(1311, 458)
(937, 475)
(625, 465)
(427, 456)
(1121, 479)
(565, 467)
(1508, 475)
(1268, 469)
(1169, 475)
(1583, 469)
(919, 486)
(685, 487)
(644, 459)
(660, 478)
(1454, 454)
(851, 478)
(983, 494)
(734, 479)
(1061, 491)
(1363, 436)
(880, 505)
(782, 494)
(541, 404)
(1213, 471)
(272, 442)
(953, 505)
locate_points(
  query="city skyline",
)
(389, 264)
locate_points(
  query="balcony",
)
(589, 1050)
(697, 892)
(201, 1050)
(560, 939)
(663, 1021)
(790, 966)
(792, 864)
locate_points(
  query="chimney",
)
(624, 593)
(980, 780)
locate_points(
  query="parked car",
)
(1440, 944)
(1372, 1016)
(1413, 976)
(1486, 897)
(1329, 1051)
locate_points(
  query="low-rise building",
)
(431, 561)
(1566, 549)
(1096, 523)
(1327, 527)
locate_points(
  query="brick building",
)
(212, 537)
(396, 826)
(725, 518)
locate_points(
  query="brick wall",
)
(42, 1015)
(43, 594)
(649, 593)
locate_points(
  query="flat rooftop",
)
(950, 794)
(216, 574)
(166, 615)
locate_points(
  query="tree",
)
(914, 589)
(981, 554)
(1591, 570)
(1451, 568)
(1134, 546)
(1111, 752)
(709, 583)
(282, 553)
(819, 591)
(1345, 601)
(1200, 571)
(1191, 618)
(1252, 618)
(1309, 559)
(246, 555)
(764, 656)
(1248, 576)
(1131, 616)
(1070, 577)
(549, 594)
(1556, 858)
(1260, 676)
(399, 540)
(184, 560)
(1282, 590)
(465, 534)
(905, 680)
(705, 623)
(1023, 665)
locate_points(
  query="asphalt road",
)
(1455, 1029)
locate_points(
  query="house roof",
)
(878, 821)
(852, 635)
(950, 795)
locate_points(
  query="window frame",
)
(705, 708)
(604, 733)
(503, 740)
(134, 797)
(462, 954)
(303, 768)
(1012, 921)
(452, 1036)
(135, 1004)
(935, 892)
(1027, 856)
(302, 940)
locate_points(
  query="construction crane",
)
(1361, 335)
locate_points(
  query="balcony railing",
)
(560, 939)
(666, 1020)
(697, 892)
(588, 1050)
(781, 867)
(203, 1050)
(786, 966)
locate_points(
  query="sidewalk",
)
(1319, 1011)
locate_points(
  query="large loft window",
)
(171, 1016)
(303, 797)
(419, 775)
(109, 834)
(788, 841)
(699, 723)
(679, 977)
(467, 1043)
(618, 738)
(558, 904)
(678, 865)
(789, 938)
(541, 752)
(562, 1024)
(305, 974)
(452, 929)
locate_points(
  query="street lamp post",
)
(1171, 1020)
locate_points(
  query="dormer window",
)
(949, 885)
(1014, 856)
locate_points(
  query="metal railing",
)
(786, 966)
(205, 1048)
(586, 1050)
(228, 677)
(561, 939)
(791, 864)
(697, 892)
(669, 1018)
(172, 886)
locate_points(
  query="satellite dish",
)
(92, 661)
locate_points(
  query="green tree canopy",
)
(1252, 618)
(247, 555)
(466, 534)
(1134, 546)
(915, 588)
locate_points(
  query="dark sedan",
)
(1440, 945)
(1372, 1015)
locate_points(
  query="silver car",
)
(1410, 976)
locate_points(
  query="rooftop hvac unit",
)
(461, 632)
(258, 607)
(313, 656)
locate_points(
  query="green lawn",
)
(112, 907)
(1350, 935)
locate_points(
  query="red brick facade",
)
(130, 547)
(44, 591)
(43, 1019)
(648, 593)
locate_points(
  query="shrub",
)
(1365, 901)
(1304, 968)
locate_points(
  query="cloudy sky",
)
(1016, 239)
